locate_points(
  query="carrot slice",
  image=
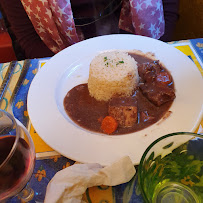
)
(109, 124)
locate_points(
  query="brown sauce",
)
(88, 113)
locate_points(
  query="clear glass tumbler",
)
(171, 169)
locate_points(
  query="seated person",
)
(34, 47)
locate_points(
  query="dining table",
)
(15, 80)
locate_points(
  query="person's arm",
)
(23, 30)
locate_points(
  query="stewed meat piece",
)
(156, 83)
(158, 95)
(124, 110)
(163, 78)
(148, 71)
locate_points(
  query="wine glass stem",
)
(27, 194)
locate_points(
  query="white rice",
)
(112, 73)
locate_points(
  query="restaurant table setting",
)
(62, 173)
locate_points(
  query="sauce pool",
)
(88, 113)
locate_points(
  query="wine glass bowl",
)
(17, 156)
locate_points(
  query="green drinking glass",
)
(171, 169)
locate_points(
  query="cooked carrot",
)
(109, 124)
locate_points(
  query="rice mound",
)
(112, 73)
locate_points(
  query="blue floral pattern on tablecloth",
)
(43, 172)
(20, 102)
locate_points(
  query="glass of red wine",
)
(17, 157)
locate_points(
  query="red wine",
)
(14, 171)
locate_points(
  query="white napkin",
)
(69, 184)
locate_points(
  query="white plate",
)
(70, 67)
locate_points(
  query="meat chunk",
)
(124, 110)
(148, 71)
(158, 95)
(156, 83)
(163, 78)
(126, 116)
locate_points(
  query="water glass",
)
(171, 169)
